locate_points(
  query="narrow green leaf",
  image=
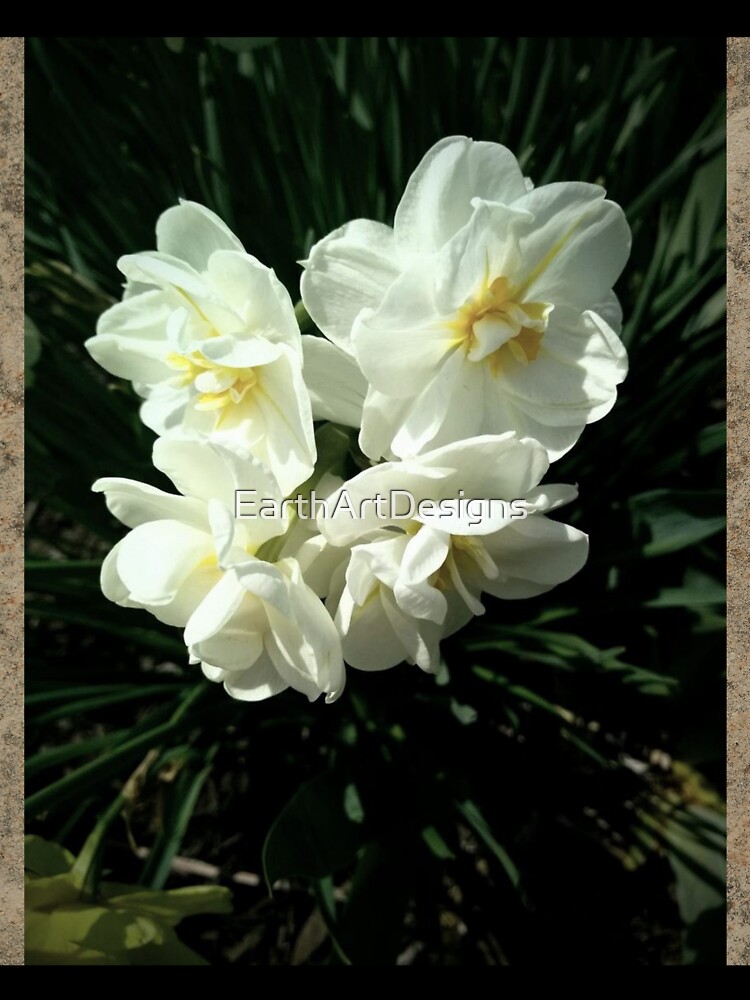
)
(471, 813)
(181, 805)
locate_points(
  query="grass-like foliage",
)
(557, 793)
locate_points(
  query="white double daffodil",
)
(234, 585)
(410, 582)
(470, 343)
(207, 334)
(487, 307)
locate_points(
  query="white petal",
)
(488, 247)
(381, 418)
(401, 345)
(304, 644)
(587, 342)
(219, 606)
(141, 318)
(443, 394)
(228, 535)
(266, 582)
(112, 586)
(211, 471)
(215, 380)
(256, 295)
(550, 496)
(380, 560)
(156, 558)
(261, 681)
(234, 353)
(577, 247)
(335, 382)
(190, 593)
(420, 640)
(125, 361)
(347, 271)
(340, 603)
(283, 404)
(424, 554)
(464, 411)
(215, 674)
(192, 233)
(164, 408)
(610, 310)
(536, 551)
(421, 600)
(438, 196)
(340, 526)
(273, 421)
(135, 503)
(490, 333)
(575, 376)
(131, 338)
(239, 642)
(199, 315)
(459, 614)
(133, 288)
(504, 413)
(165, 271)
(176, 611)
(464, 591)
(318, 561)
(500, 466)
(556, 393)
(357, 642)
(360, 579)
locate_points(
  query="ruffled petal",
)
(261, 681)
(256, 295)
(539, 552)
(577, 247)
(437, 201)
(156, 558)
(357, 643)
(193, 232)
(347, 271)
(304, 645)
(335, 382)
(135, 503)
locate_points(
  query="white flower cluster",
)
(470, 344)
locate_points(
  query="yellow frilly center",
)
(218, 385)
(498, 300)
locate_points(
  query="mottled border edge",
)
(738, 505)
(11, 500)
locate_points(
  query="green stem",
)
(271, 550)
(188, 701)
(303, 317)
(85, 865)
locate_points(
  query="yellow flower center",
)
(496, 327)
(467, 546)
(218, 386)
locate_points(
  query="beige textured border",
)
(11, 501)
(738, 473)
